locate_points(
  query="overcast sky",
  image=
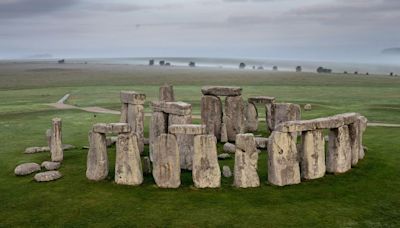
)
(286, 29)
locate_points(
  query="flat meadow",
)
(367, 196)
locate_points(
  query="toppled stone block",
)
(251, 118)
(176, 108)
(34, 150)
(246, 160)
(49, 165)
(234, 113)
(26, 168)
(226, 171)
(224, 156)
(187, 129)
(111, 128)
(97, 158)
(221, 90)
(307, 107)
(229, 148)
(132, 97)
(47, 176)
(211, 115)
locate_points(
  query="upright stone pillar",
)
(136, 121)
(206, 170)
(158, 126)
(166, 164)
(283, 164)
(363, 127)
(97, 159)
(251, 118)
(339, 150)
(234, 112)
(128, 165)
(166, 93)
(246, 159)
(355, 141)
(124, 113)
(211, 114)
(283, 112)
(56, 147)
(48, 138)
(185, 142)
(312, 154)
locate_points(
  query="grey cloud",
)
(26, 8)
(126, 7)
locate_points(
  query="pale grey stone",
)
(206, 170)
(47, 176)
(124, 113)
(26, 168)
(176, 108)
(234, 112)
(158, 126)
(251, 118)
(339, 151)
(355, 141)
(307, 107)
(229, 148)
(261, 142)
(224, 156)
(136, 122)
(261, 100)
(185, 142)
(132, 97)
(147, 165)
(211, 115)
(221, 90)
(97, 158)
(246, 159)
(33, 150)
(226, 171)
(166, 164)
(187, 129)
(146, 141)
(312, 152)
(166, 93)
(224, 134)
(283, 163)
(111, 128)
(49, 165)
(48, 137)
(56, 148)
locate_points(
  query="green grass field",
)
(367, 196)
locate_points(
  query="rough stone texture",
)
(111, 128)
(166, 93)
(56, 148)
(146, 165)
(246, 159)
(339, 151)
(261, 142)
(211, 115)
(176, 108)
(124, 113)
(166, 164)
(26, 168)
(187, 129)
(47, 176)
(229, 148)
(206, 170)
(269, 110)
(261, 100)
(363, 128)
(312, 153)
(307, 107)
(221, 90)
(49, 165)
(185, 142)
(158, 126)
(111, 141)
(48, 137)
(33, 150)
(234, 112)
(224, 156)
(251, 118)
(224, 134)
(283, 164)
(283, 112)
(136, 122)
(226, 171)
(355, 141)
(128, 165)
(132, 97)
(97, 159)
(146, 141)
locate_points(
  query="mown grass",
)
(367, 196)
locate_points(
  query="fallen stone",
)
(224, 156)
(111, 128)
(49, 165)
(166, 93)
(132, 97)
(251, 118)
(261, 100)
(68, 147)
(33, 150)
(206, 170)
(307, 107)
(97, 158)
(229, 148)
(211, 115)
(221, 90)
(339, 151)
(261, 142)
(147, 165)
(47, 176)
(158, 126)
(187, 129)
(26, 168)
(176, 108)
(246, 158)
(234, 112)
(312, 153)
(226, 171)
(56, 147)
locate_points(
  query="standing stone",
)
(283, 164)
(211, 115)
(158, 126)
(97, 159)
(312, 154)
(206, 171)
(339, 151)
(246, 159)
(363, 127)
(166, 165)
(355, 141)
(269, 118)
(47, 176)
(124, 113)
(234, 111)
(128, 166)
(283, 112)
(166, 93)
(224, 134)
(56, 147)
(251, 118)
(226, 171)
(146, 165)
(185, 142)
(136, 121)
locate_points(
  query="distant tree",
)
(323, 70)
(254, 67)
(242, 65)
(192, 64)
(355, 72)
(298, 69)
(162, 62)
(275, 68)
(367, 73)
(391, 73)
(61, 61)
(167, 64)
(260, 68)
(151, 62)
(345, 72)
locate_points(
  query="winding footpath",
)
(61, 105)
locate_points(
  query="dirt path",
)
(60, 105)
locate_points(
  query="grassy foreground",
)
(367, 196)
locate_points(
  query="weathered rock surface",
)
(97, 158)
(251, 118)
(234, 112)
(355, 141)
(47, 176)
(111, 128)
(261, 100)
(147, 165)
(246, 160)
(206, 170)
(283, 164)
(312, 154)
(269, 118)
(136, 122)
(221, 90)
(261, 142)
(56, 148)
(185, 142)
(158, 126)
(36, 149)
(166, 164)
(26, 168)
(224, 134)
(339, 151)
(166, 93)
(307, 107)
(146, 141)
(176, 108)
(187, 129)
(283, 112)
(124, 113)
(226, 171)
(49, 165)
(128, 165)
(363, 128)
(48, 138)
(211, 114)
(111, 141)
(132, 97)
(229, 148)
(224, 156)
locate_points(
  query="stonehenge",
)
(246, 159)
(166, 93)
(56, 147)
(268, 103)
